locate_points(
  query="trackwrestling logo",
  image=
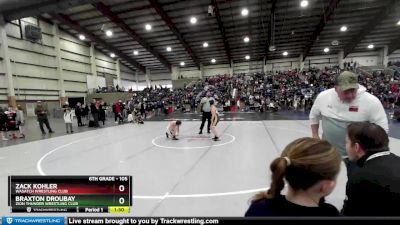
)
(33, 221)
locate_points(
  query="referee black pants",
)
(206, 116)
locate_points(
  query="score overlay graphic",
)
(87, 194)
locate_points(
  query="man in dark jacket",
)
(94, 110)
(373, 188)
(78, 114)
(41, 113)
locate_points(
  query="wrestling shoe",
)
(166, 134)
(175, 139)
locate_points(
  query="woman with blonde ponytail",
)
(310, 167)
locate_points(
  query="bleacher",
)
(110, 98)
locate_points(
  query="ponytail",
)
(303, 163)
(278, 169)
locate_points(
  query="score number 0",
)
(121, 200)
(121, 188)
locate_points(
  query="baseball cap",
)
(347, 80)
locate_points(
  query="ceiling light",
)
(136, 52)
(371, 46)
(272, 48)
(169, 49)
(245, 12)
(205, 44)
(398, 23)
(109, 33)
(213, 60)
(246, 39)
(343, 28)
(326, 49)
(285, 53)
(182, 63)
(335, 42)
(193, 20)
(112, 55)
(247, 57)
(147, 27)
(82, 37)
(304, 3)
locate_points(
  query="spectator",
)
(20, 119)
(339, 106)
(85, 111)
(114, 110)
(68, 120)
(78, 114)
(118, 112)
(3, 125)
(310, 167)
(374, 188)
(94, 110)
(142, 110)
(42, 113)
(252, 90)
(102, 112)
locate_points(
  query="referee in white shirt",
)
(205, 108)
(337, 107)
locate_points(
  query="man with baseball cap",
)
(337, 107)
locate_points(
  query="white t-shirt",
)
(206, 104)
(336, 115)
(68, 117)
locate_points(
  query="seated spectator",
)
(310, 167)
(373, 189)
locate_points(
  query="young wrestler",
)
(214, 120)
(173, 129)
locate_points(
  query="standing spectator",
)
(85, 112)
(118, 112)
(337, 107)
(98, 106)
(142, 110)
(94, 110)
(102, 112)
(310, 168)
(374, 188)
(205, 108)
(114, 109)
(20, 121)
(3, 126)
(160, 107)
(123, 111)
(78, 114)
(42, 113)
(68, 120)
(193, 104)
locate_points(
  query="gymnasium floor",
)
(190, 177)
